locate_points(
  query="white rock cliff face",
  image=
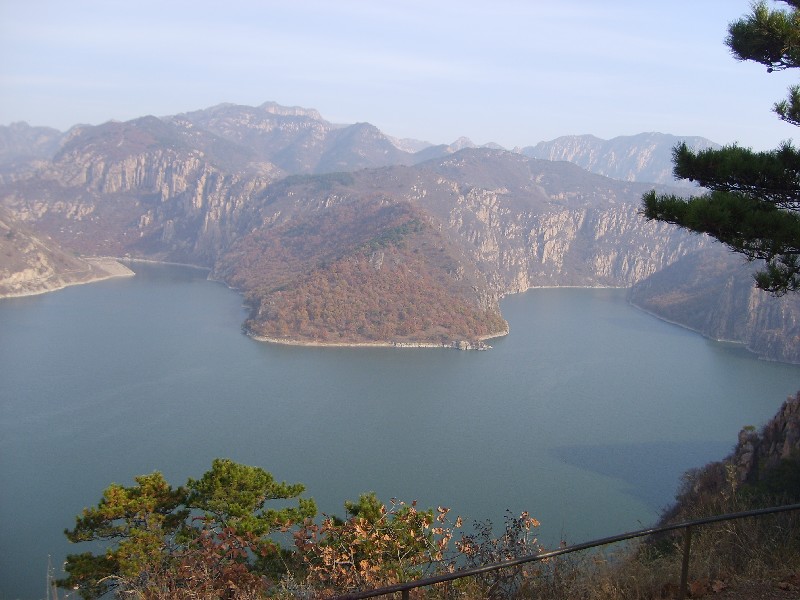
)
(167, 190)
(161, 203)
(556, 239)
(642, 157)
(32, 265)
(178, 206)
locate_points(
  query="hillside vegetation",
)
(218, 536)
(366, 272)
(334, 234)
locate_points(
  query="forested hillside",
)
(338, 234)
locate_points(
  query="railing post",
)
(687, 543)
(405, 594)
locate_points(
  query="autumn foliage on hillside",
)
(363, 271)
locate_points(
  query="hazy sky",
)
(514, 72)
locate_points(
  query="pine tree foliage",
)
(159, 535)
(753, 199)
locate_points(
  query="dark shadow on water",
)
(652, 470)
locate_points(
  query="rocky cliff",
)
(644, 157)
(767, 460)
(247, 192)
(33, 265)
(485, 223)
(144, 188)
(713, 292)
(535, 223)
(759, 452)
(762, 470)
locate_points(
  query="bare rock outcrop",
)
(35, 265)
(758, 452)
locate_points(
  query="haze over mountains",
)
(642, 157)
(342, 234)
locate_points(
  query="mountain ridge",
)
(475, 224)
(641, 157)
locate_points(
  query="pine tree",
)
(214, 530)
(753, 199)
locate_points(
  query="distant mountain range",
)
(642, 157)
(342, 234)
(299, 140)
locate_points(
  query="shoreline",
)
(738, 343)
(126, 259)
(111, 267)
(104, 267)
(478, 344)
(692, 329)
(101, 268)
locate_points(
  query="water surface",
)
(585, 415)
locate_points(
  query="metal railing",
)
(687, 526)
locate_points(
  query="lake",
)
(585, 415)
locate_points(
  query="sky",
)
(512, 72)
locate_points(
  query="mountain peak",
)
(290, 111)
(461, 143)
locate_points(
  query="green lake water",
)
(585, 415)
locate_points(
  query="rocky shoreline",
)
(479, 344)
(30, 282)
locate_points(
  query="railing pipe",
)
(404, 588)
